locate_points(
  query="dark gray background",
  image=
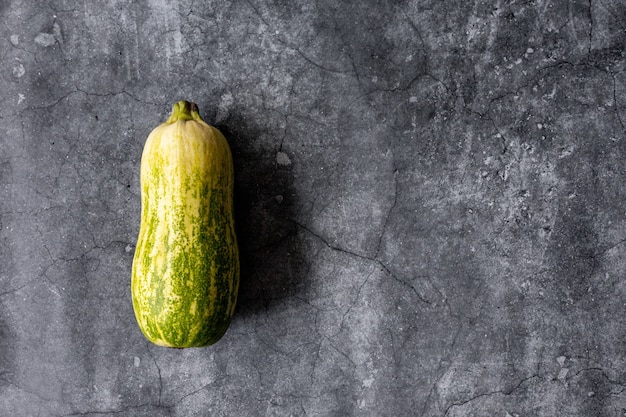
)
(430, 201)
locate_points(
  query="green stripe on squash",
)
(185, 273)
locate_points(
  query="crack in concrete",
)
(16, 289)
(419, 296)
(192, 393)
(505, 392)
(295, 48)
(331, 246)
(353, 303)
(445, 358)
(78, 90)
(113, 411)
(610, 248)
(616, 103)
(393, 206)
(602, 372)
(364, 257)
(342, 353)
(269, 345)
(158, 368)
(324, 68)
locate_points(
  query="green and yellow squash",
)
(185, 273)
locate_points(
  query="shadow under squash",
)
(272, 265)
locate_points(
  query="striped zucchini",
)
(185, 273)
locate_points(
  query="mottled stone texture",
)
(431, 205)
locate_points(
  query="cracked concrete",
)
(430, 206)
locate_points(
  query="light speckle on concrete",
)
(430, 206)
(45, 39)
(282, 158)
(18, 70)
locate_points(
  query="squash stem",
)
(184, 110)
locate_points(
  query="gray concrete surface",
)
(430, 201)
